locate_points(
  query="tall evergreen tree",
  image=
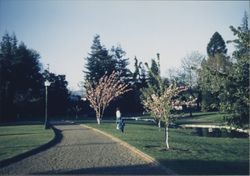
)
(216, 45)
(153, 70)
(212, 68)
(99, 61)
(139, 75)
(121, 63)
(102, 61)
(139, 81)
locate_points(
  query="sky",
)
(62, 31)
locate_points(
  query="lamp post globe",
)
(47, 83)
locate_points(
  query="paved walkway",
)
(83, 151)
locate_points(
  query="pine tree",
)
(212, 72)
(216, 45)
(102, 61)
(99, 62)
(121, 63)
(154, 73)
(139, 76)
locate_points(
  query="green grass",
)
(21, 138)
(189, 154)
(208, 118)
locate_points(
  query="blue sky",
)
(62, 31)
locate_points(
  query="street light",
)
(47, 84)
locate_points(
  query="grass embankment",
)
(189, 154)
(15, 140)
(208, 118)
(205, 118)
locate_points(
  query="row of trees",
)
(216, 82)
(22, 78)
(220, 82)
(102, 61)
(224, 80)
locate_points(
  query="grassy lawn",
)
(208, 118)
(189, 154)
(18, 139)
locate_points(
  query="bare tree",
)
(100, 94)
(190, 64)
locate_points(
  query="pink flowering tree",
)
(100, 94)
(159, 102)
(160, 105)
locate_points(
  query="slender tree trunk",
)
(76, 115)
(98, 121)
(159, 124)
(98, 118)
(166, 136)
(190, 112)
(2, 103)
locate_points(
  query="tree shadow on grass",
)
(139, 122)
(200, 167)
(165, 149)
(187, 116)
(182, 167)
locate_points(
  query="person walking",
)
(118, 118)
(122, 125)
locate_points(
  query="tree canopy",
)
(102, 61)
(236, 92)
(21, 79)
(216, 45)
(22, 83)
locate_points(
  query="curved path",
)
(83, 151)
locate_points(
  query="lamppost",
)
(47, 84)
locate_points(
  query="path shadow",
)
(57, 138)
(145, 169)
